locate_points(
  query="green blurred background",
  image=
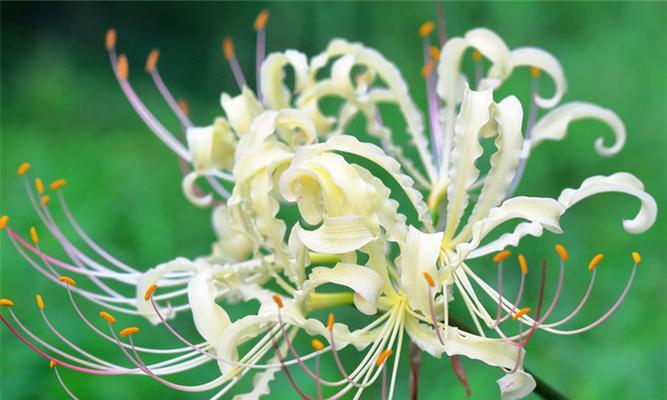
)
(62, 110)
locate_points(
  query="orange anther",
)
(58, 183)
(228, 48)
(183, 105)
(427, 69)
(501, 256)
(3, 221)
(426, 29)
(33, 235)
(476, 56)
(330, 322)
(6, 303)
(278, 300)
(261, 20)
(45, 200)
(39, 185)
(149, 291)
(521, 313)
(129, 331)
(108, 317)
(110, 39)
(429, 279)
(52, 364)
(535, 72)
(67, 280)
(383, 357)
(523, 264)
(636, 257)
(435, 53)
(40, 302)
(317, 345)
(151, 61)
(562, 253)
(23, 168)
(122, 67)
(595, 261)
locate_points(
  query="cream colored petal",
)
(276, 93)
(231, 245)
(516, 385)
(302, 128)
(543, 211)
(241, 110)
(508, 116)
(554, 125)
(494, 48)
(188, 184)
(538, 58)
(210, 319)
(261, 382)
(364, 281)
(621, 182)
(451, 87)
(424, 337)
(419, 255)
(337, 235)
(508, 239)
(493, 352)
(467, 149)
(212, 147)
(153, 276)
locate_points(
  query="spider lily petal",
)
(553, 126)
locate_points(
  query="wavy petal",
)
(553, 126)
(241, 110)
(467, 149)
(508, 116)
(538, 58)
(231, 245)
(272, 76)
(212, 147)
(153, 276)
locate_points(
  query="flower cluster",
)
(311, 218)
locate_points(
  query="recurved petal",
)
(516, 385)
(232, 245)
(554, 125)
(362, 280)
(493, 352)
(241, 110)
(188, 185)
(155, 276)
(210, 319)
(543, 211)
(272, 75)
(538, 58)
(621, 182)
(337, 235)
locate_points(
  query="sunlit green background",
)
(62, 110)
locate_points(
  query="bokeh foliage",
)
(61, 110)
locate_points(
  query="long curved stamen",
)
(613, 308)
(540, 300)
(442, 27)
(433, 103)
(381, 362)
(460, 373)
(260, 28)
(120, 68)
(515, 305)
(288, 374)
(431, 308)
(54, 365)
(228, 51)
(594, 262)
(318, 346)
(151, 68)
(59, 362)
(479, 67)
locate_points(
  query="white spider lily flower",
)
(309, 218)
